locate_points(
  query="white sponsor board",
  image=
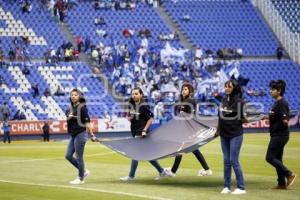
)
(113, 125)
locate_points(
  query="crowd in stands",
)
(159, 71)
(66, 52)
(122, 4)
(19, 50)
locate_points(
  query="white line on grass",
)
(58, 158)
(86, 189)
(99, 154)
(45, 147)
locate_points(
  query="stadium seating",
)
(219, 24)
(260, 74)
(17, 91)
(214, 24)
(38, 25)
(142, 16)
(290, 12)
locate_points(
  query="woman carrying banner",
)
(230, 129)
(78, 121)
(279, 132)
(141, 118)
(187, 104)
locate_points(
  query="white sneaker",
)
(168, 172)
(203, 172)
(77, 181)
(200, 172)
(86, 173)
(165, 173)
(126, 178)
(238, 191)
(226, 190)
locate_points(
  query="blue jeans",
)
(134, 164)
(76, 145)
(231, 151)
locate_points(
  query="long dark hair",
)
(237, 90)
(131, 101)
(81, 96)
(190, 88)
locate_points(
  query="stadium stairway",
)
(172, 25)
(84, 58)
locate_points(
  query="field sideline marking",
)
(87, 189)
(58, 158)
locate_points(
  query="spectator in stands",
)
(46, 130)
(35, 89)
(26, 54)
(97, 4)
(252, 92)
(95, 54)
(79, 43)
(230, 129)
(68, 54)
(87, 43)
(78, 122)
(50, 6)
(75, 55)
(47, 92)
(26, 6)
(19, 116)
(101, 33)
(198, 53)
(1, 57)
(26, 70)
(60, 8)
(279, 132)
(16, 41)
(1, 81)
(4, 112)
(279, 52)
(132, 4)
(209, 52)
(19, 54)
(127, 32)
(6, 132)
(99, 21)
(168, 37)
(11, 54)
(186, 18)
(145, 32)
(59, 92)
(123, 5)
(25, 40)
(159, 110)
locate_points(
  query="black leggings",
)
(274, 157)
(198, 155)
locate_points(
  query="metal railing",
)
(289, 40)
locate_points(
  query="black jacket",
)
(77, 116)
(139, 115)
(187, 105)
(231, 116)
(279, 112)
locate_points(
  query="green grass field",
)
(38, 171)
